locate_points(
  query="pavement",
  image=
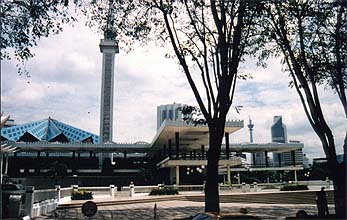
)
(141, 207)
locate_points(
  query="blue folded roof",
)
(49, 130)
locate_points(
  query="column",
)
(202, 152)
(164, 150)
(38, 154)
(293, 157)
(1, 166)
(29, 201)
(73, 154)
(177, 175)
(228, 174)
(125, 155)
(6, 163)
(266, 160)
(279, 159)
(170, 148)
(177, 142)
(90, 154)
(194, 154)
(238, 178)
(295, 176)
(227, 150)
(191, 155)
(253, 155)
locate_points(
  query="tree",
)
(311, 38)
(208, 38)
(24, 23)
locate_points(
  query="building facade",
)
(169, 111)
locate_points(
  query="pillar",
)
(38, 154)
(194, 154)
(177, 175)
(47, 154)
(90, 154)
(266, 160)
(79, 155)
(57, 187)
(125, 155)
(253, 155)
(164, 150)
(73, 154)
(238, 178)
(170, 148)
(112, 191)
(279, 160)
(191, 155)
(29, 201)
(228, 174)
(202, 152)
(295, 176)
(227, 150)
(293, 157)
(1, 166)
(6, 163)
(177, 142)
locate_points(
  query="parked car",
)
(223, 216)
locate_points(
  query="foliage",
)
(81, 195)
(269, 187)
(24, 23)
(57, 169)
(164, 191)
(293, 187)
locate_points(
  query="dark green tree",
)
(311, 36)
(25, 22)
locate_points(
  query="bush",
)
(163, 191)
(269, 187)
(81, 195)
(293, 187)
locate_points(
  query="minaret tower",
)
(250, 126)
(108, 48)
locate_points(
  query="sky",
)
(65, 84)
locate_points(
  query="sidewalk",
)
(171, 210)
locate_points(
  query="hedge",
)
(164, 191)
(293, 187)
(81, 195)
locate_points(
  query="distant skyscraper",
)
(278, 130)
(108, 48)
(170, 111)
(278, 135)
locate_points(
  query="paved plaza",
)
(171, 210)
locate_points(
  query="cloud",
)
(66, 81)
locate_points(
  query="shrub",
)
(269, 187)
(164, 191)
(81, 195)
(293, 187)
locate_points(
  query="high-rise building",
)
(170, 111)
(108, 48)
(279, 135)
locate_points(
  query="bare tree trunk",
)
(338, 175)
(211, 187)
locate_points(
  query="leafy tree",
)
(25, 22)
(311, 37)
(209, 40)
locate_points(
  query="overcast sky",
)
(66, 79)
